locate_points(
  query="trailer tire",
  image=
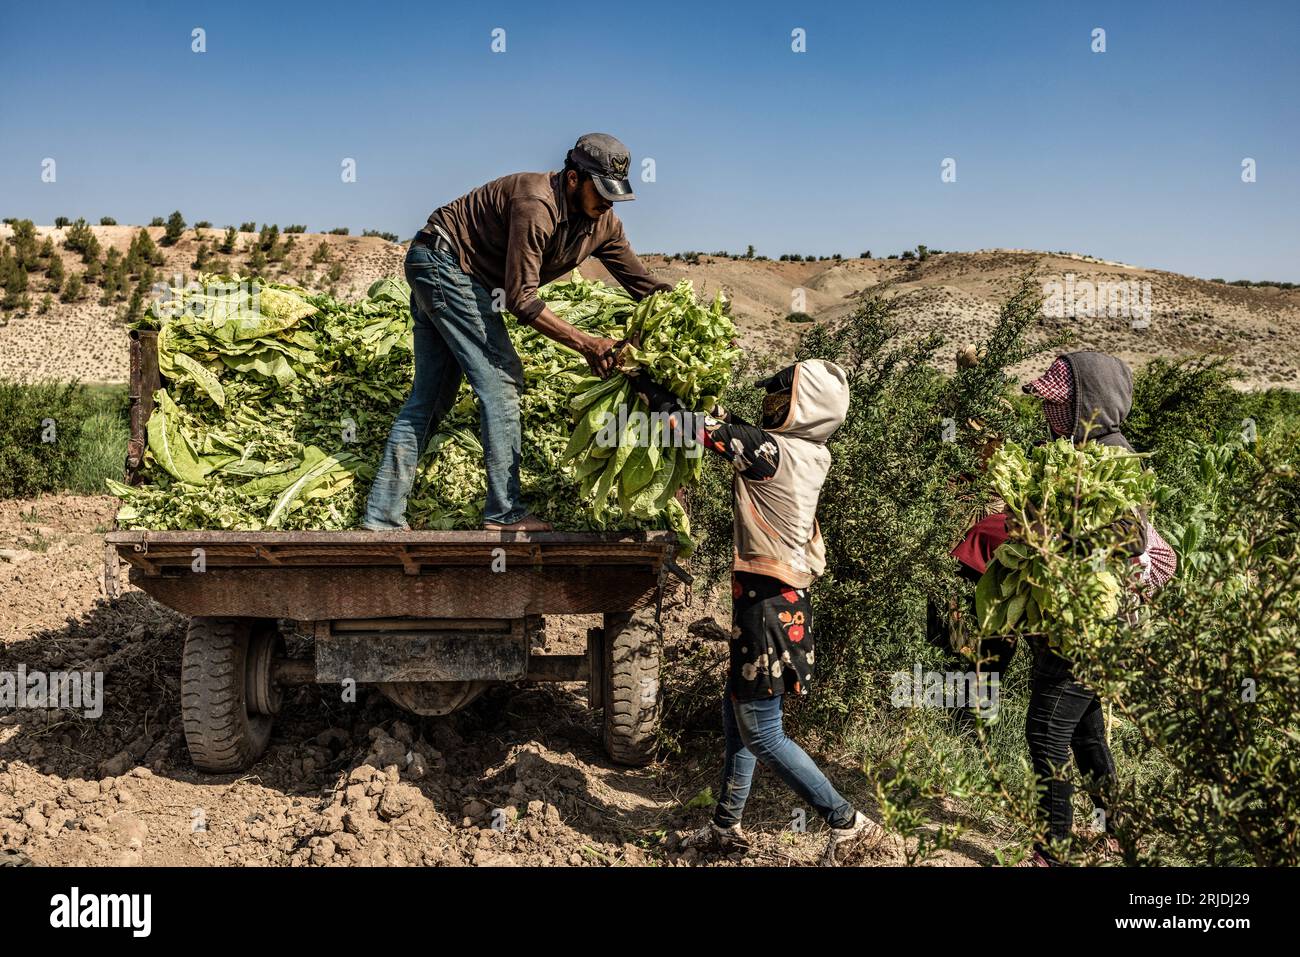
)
(631, 696)
(222, 732)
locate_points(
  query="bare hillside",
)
(956, 294)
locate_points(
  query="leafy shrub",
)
(81, 239)
(1208, 686)
(27, 251)
(268, 237)
(1181, 407)
(54, 273)
(901, 489)
(73, 289)
(142, 254)
(40, 427)
(174, 230)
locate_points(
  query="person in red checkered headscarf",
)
(1061, 408)
(1086, 397)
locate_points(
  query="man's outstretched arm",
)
(528, 232)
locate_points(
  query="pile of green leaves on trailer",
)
(276, 407)
(1066, 560)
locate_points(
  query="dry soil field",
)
(340, 784)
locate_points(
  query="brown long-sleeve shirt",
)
(516, 233)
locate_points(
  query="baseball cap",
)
(607, 160)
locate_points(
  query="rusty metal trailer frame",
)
(363, 574)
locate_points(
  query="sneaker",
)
(712, 837)
(863, 833)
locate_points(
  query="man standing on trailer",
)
(496, 245)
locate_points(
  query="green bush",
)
(903, 486)
(27, 251)
(81, 239)
(174, 230)
(142, 254)
(1207, 684)
(268, 238)
(1204, 689)
(1180, 407)
(39, 429)
(228, 242)
(73, 289)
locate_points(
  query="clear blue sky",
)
(1132, 154)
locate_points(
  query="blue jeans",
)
(754, 733)
(457, 333)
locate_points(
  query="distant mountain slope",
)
(957, 294)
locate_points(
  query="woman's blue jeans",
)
(457, 334)
(754, 733)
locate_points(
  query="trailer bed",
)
(363, 574)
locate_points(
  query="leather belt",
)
(435, 241)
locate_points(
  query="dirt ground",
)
(341, 784)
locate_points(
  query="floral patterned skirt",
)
(771, 637)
